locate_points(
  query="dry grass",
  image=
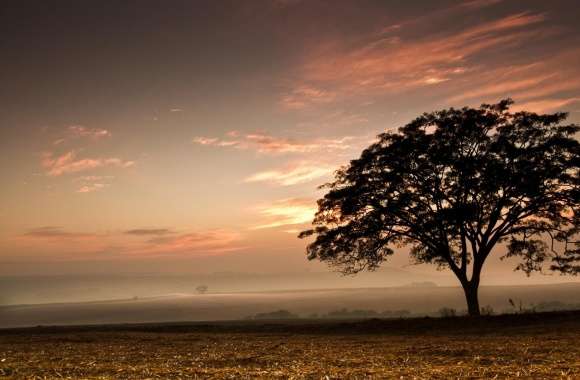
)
(532, 350)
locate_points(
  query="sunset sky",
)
(191, 136)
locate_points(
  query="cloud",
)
(94, 133)
(68, 163)
(149, 231)
(543, 85)
(215, 142)
(92, 188)
(477, 4)
(305, 95)
(147, 242)
(205, 141)
(503, 87)
(384, 63)
(287, 212)
(292, 174)
(547, 105)
(78, 131)
(265, 143)
(93, 178)
(51, 232)
(455, 10)
(192, 243)
(58, 243)
(269, 144)
(92, 183)
(334, 119)
(563, 83)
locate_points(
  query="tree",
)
(201, 289)
(452, 184)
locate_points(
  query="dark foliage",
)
(452, 184)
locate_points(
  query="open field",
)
(533, 346)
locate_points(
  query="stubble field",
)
(518, 346)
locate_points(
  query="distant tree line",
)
(516, 307)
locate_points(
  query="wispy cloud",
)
(387, 63)
(61, 243)
(541, 86)
(92, 187)
(477, 4)
(293, 174)
(287, 212)
(94, 178)
(149, 231)
(142, 242)
(52, 232)
(75, 132)
(68, 163)
(503, 87)
(81, 131)
(92, 183)
(455, 10)
(212, 141)
(192, 243)
(546, 105)
(304, 95)
(265, 143)
(336, 118)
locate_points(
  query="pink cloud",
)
(337, 118)
(74, 132)
(386, 63)
(293, 174)
(504, 87)
(544, 85)
(56, 233)
(58, 243)
(287, 212)
(546, 105)
(210, 242)
(265, 143)
(68, 163)
(93, 178)
(476, 4)
(95, 133)
(304, 95)
(205, 141)
(149, 231)
(132, 243)
(92, 187)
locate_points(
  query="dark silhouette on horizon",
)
(452, 184)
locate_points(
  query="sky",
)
(191, 136)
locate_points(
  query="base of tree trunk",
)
(472, 301)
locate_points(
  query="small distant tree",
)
(201, 289)
(452, 185)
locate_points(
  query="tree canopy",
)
(452, 184)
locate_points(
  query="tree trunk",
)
(472, 299)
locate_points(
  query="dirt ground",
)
(529, 347)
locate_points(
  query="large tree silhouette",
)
(452, 185)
